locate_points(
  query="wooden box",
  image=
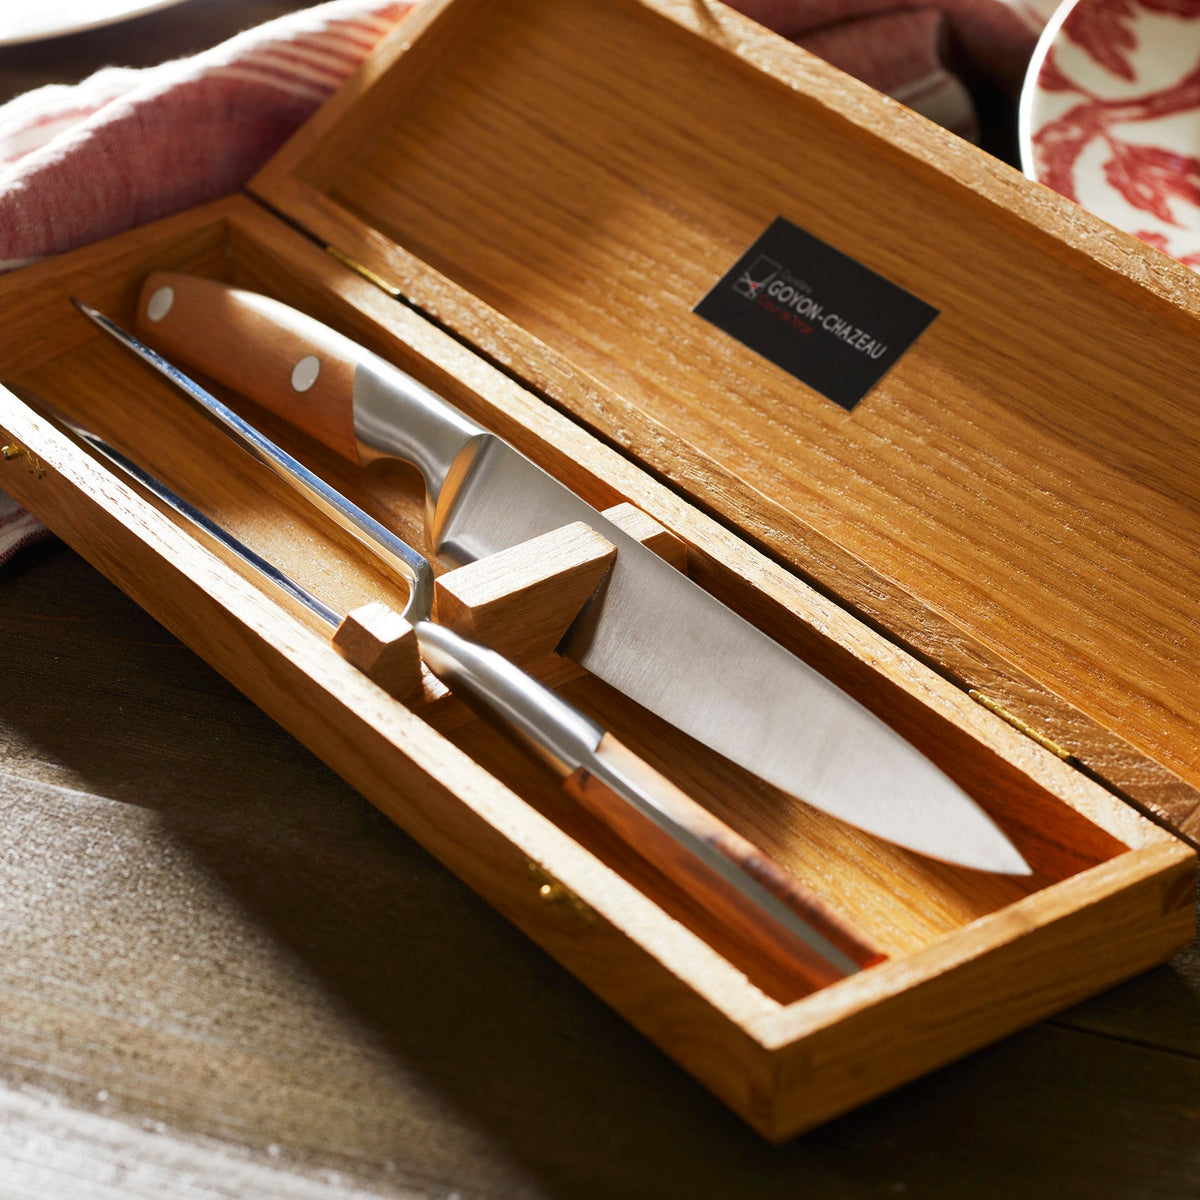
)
(520, 202)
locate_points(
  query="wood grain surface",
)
(222, 973)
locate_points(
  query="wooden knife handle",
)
(289, 363)
(731, 911)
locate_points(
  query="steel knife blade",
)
(650, 631)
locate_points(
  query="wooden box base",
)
(971, 957)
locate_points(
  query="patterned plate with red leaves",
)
(1110, 116)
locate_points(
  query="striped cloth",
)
(125, 147)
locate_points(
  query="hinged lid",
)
(1017, 499)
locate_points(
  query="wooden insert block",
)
(520, 601)
(383, 646)
(630, 519)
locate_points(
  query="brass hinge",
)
(1023, 726)
(366, 272)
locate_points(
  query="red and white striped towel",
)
(125, 146)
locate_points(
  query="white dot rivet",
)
(305, 372)
(160, 303)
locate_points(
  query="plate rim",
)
(1029, 87)
(74, 25)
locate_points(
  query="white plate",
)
(1110, 116)
(33, 20)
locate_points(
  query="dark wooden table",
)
(223, 974)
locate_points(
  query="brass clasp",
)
(555, 892)
(13, 450)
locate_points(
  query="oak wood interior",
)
(925, 915)
(578, 176)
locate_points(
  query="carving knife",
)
(747, 893)
(650, 631)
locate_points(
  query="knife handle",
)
(809, 942)
(297, 368)
(316, 379)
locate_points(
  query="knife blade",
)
(649, 631)
(744, 891)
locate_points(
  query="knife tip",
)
(992, 851)
(1011, 861)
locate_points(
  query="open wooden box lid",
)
(1017, 501)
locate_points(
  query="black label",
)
(818, 314)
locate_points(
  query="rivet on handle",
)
(160, 303)
(305, 372)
